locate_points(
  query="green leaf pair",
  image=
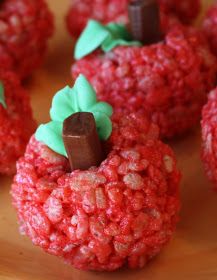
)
(80, 98)
(107, 37)
(2, 96)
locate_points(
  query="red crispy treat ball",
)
(116, 11)
(209, 136)
(210, 27)
(16, 122)
(186, 10)
(122, 212)
(168, 80)
(25, 26)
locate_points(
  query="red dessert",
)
(107, 11)
(186, 10)
(25, 26)
(210, 27)
(209, 136)
(168, 80)
(16, 122)
(122, 212)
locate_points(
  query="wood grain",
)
(192, 254)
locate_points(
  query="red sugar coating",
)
(122, 212)
(116, 10)
(169, 80)
(16, 122)
(209, 136)
(25, 26)
(210, 27)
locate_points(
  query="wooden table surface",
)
(192, 254)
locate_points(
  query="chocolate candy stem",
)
(145, 21)
(81, 141)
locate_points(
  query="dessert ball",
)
(25, 26)
(209, 136)
(210, 27)
(120, 213)
(168, 80)
(16, 121)
(186, 10)
(112, 10)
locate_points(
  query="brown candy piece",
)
(81, 141)
(145, 23)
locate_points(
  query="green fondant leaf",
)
(118, 31)
(91, 38)
(86, 95)
(51, 135)
(2, 96)
(75, 104)
(107, 37)
(102, 107)
(103, 124)
(62, 104)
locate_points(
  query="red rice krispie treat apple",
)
(210, 27)
(169, 79)
(209, 136)
(25, 26)
(98, 193)
(16, 121)
(107, 11)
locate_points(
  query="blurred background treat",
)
(25, 27)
